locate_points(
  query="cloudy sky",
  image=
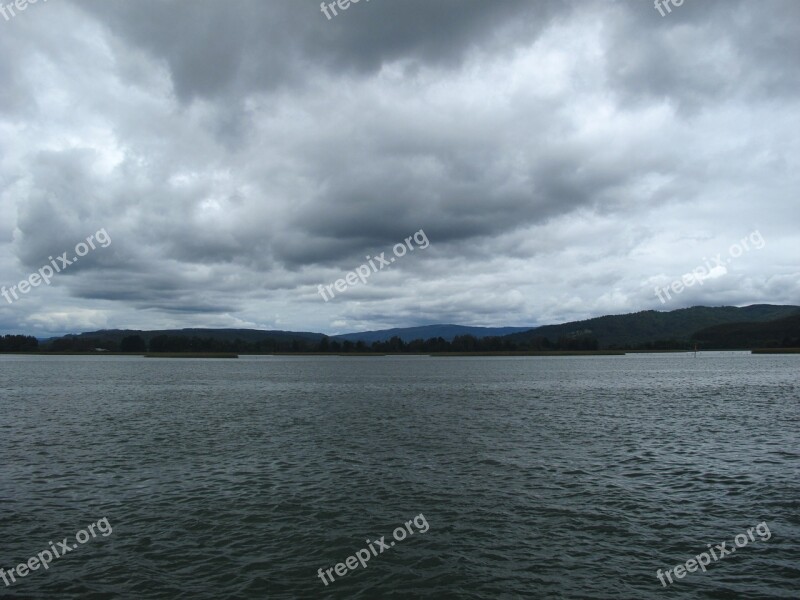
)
(563, 159)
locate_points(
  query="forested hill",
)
(650, 327)
(782, 333)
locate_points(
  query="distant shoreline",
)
(409, 354)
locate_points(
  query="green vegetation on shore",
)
(781, 333)
(18, 343)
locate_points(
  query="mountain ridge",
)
(610, 331)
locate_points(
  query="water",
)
(537, 477)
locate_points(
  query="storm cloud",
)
(563, 158)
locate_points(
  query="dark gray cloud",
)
(564, 159)
(213, 48)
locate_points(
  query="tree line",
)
(181, 343)
(18, 343)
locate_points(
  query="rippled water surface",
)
(537, 477)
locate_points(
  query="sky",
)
(561, 160)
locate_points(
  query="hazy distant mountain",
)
(448, 332)
(649, 326)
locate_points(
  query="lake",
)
(534, 477)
